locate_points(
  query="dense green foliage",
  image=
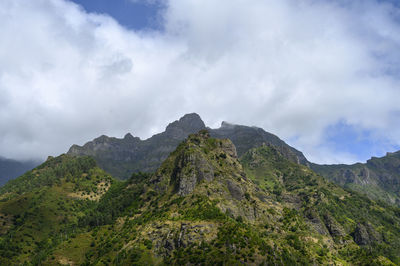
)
(42, 213)
(123, 198)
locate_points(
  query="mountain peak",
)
(187, 124)
(130, 137)
(101, 139)
(191, 117)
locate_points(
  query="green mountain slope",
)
(203, 206)
(42, 208)
(379, 178)
(343, 215)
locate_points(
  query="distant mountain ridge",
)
(122, 157)
(10, 169)
(379, 178)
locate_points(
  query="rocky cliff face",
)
(122, 157)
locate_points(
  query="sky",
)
(322, 75)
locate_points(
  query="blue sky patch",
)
(364, 144)
(136, 15)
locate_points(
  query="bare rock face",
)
(334, 228)
(316, 222)
(361, 236)
(187, 166)
(190, 170)
(188, 124)
(167, 237)
(365, 234)
(229, 148)
(235, 190)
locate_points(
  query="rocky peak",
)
(128, 137)
(189, 123)
(101, 139)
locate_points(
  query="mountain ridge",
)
(122, 157)
(378, 177)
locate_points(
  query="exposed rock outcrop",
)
(365, 234)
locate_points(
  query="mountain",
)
(245, 138)
(379, 178)
(202, 206)
(10, 169)
(122, 157)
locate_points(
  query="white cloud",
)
(292, 67)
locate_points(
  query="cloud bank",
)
(295, 68)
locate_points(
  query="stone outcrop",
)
(365, 234)
(334, 228)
